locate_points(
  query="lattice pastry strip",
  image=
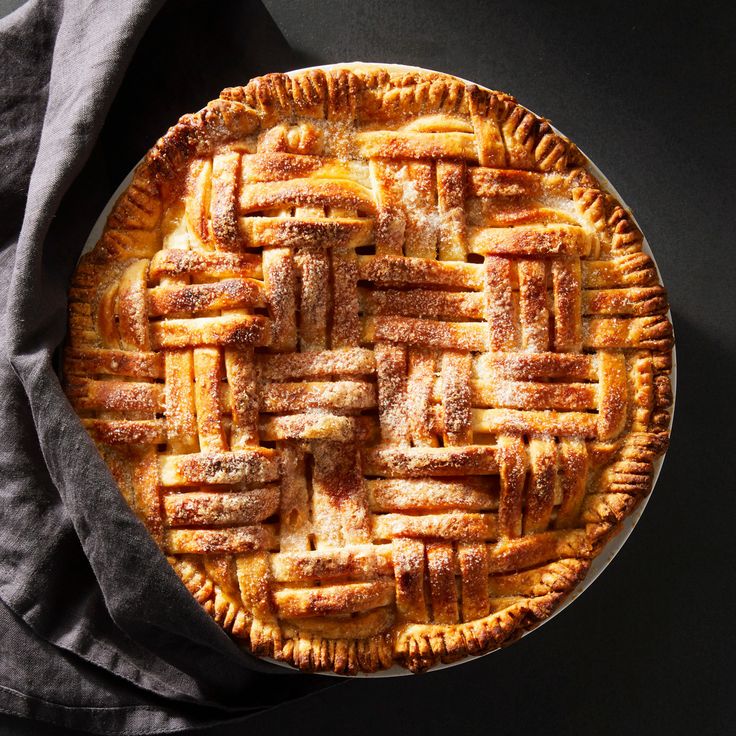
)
(376, 361)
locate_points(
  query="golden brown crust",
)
(377, 361)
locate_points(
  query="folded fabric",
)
(96, 631)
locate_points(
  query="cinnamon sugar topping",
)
(377, 362)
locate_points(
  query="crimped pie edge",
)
(424, 644)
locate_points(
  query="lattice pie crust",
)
(377, 362)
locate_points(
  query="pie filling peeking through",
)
(376, 360)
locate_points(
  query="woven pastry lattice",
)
(376, 361)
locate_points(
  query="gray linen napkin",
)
(96, 631)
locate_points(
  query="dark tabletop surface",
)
(647, 91)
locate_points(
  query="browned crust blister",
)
(378, 362)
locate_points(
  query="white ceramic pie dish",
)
(604, 558)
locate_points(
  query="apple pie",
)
(377, 361)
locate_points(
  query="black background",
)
(647, 91)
